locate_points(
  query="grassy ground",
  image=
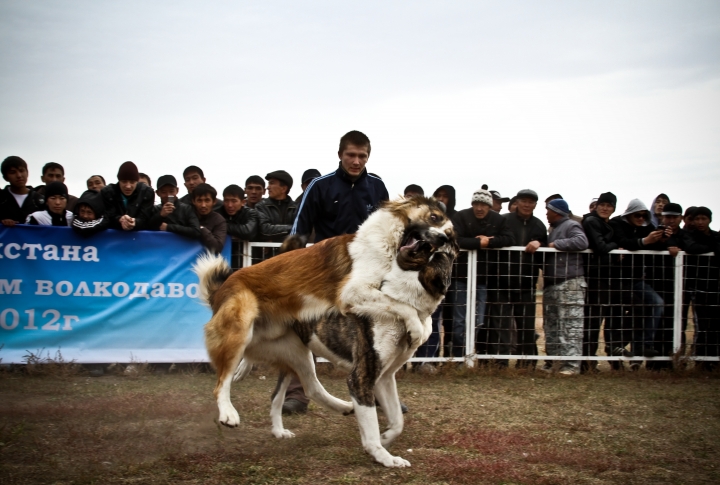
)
(465, 426)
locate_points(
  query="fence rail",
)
(617, 288)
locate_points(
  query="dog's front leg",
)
(278, 398)
(387, 396)
(370, 436)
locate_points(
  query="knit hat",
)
(672, 209)
(128, 171)
(527, 193)
(608, 198)
(309, 174)
(559, 206)
(56, 188)
(282, 176)
(166, 180)
(690, 211)
(703, 211)
(482, 196)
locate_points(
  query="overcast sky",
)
(574, 97)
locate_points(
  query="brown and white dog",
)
(362, 301)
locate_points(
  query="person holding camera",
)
(171, 214)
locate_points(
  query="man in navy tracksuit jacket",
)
(337, 204)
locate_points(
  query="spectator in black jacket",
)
(480, 228)
(128, 204)
(254, 190)
(213, 228)
(634, 231)
(276, 213)
(54, 172)
(88, 214)
(707, 290)
(17, 200)
(603, 298)
(194, 176)
(514, 301)
(172, 215)
(96, 182)
(242, 222)
(55, 214)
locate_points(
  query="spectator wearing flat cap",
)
(55, 214)
(171, 214)
(707, 291)
(498, 201)
(479, 228)
(276, 213)
(603, 300)
(128, 204)
(564, 290)
(514, 302)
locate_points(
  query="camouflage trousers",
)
(563, 316)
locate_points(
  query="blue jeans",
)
(458, 293)
(651, 308)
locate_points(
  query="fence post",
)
(247, 257)
(677, 308)
(470, 309)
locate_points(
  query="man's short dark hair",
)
(193, 169)
(52, 166)
(146, 176)
(415, 189)
(204, 189)
(357, 138)
(234, 191)
(12, 162)
(255, 179)
(101, 178)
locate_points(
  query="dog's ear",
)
(293, 242)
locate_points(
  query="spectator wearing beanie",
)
(56, 214)
(707, 290)
(128, 205)
(276, 213)
(17, 200)
(564, 290)
(642, 305)
(480, 228)
(88, 216)
(171, 214)
(603, 301)
(515, 300)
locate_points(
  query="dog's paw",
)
(283, 433)
(229, 417)
(395, 462)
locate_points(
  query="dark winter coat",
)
(276, 218)
(9, 208)
(467, 226)
(139, 205)
(522, 268)
(243, 225)
(183, 220)
(93, 199)
(213, 231)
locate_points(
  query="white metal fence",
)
(681, 322)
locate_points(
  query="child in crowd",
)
(56, 214)
(88, 214)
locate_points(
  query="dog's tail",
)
(212, 270)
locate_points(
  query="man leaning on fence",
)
(564, 290)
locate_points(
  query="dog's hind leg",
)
(278, 398)
(305, 369)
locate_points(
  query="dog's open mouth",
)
(414, 243)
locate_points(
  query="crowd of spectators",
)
(631, 294)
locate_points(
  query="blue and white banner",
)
(115, 297)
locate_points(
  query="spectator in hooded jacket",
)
(480, 228)
(213, 228)
(17, 200)
(564, 290)
(656, 209)
(88, 216)
(514, 301)
(634, 231)
(170, 214)
(54, 172)
(242, 222)
(56, 214)
(603, 298)
(707, 290)
(128, 204)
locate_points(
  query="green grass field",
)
(465, 426)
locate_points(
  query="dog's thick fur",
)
(363, 301)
